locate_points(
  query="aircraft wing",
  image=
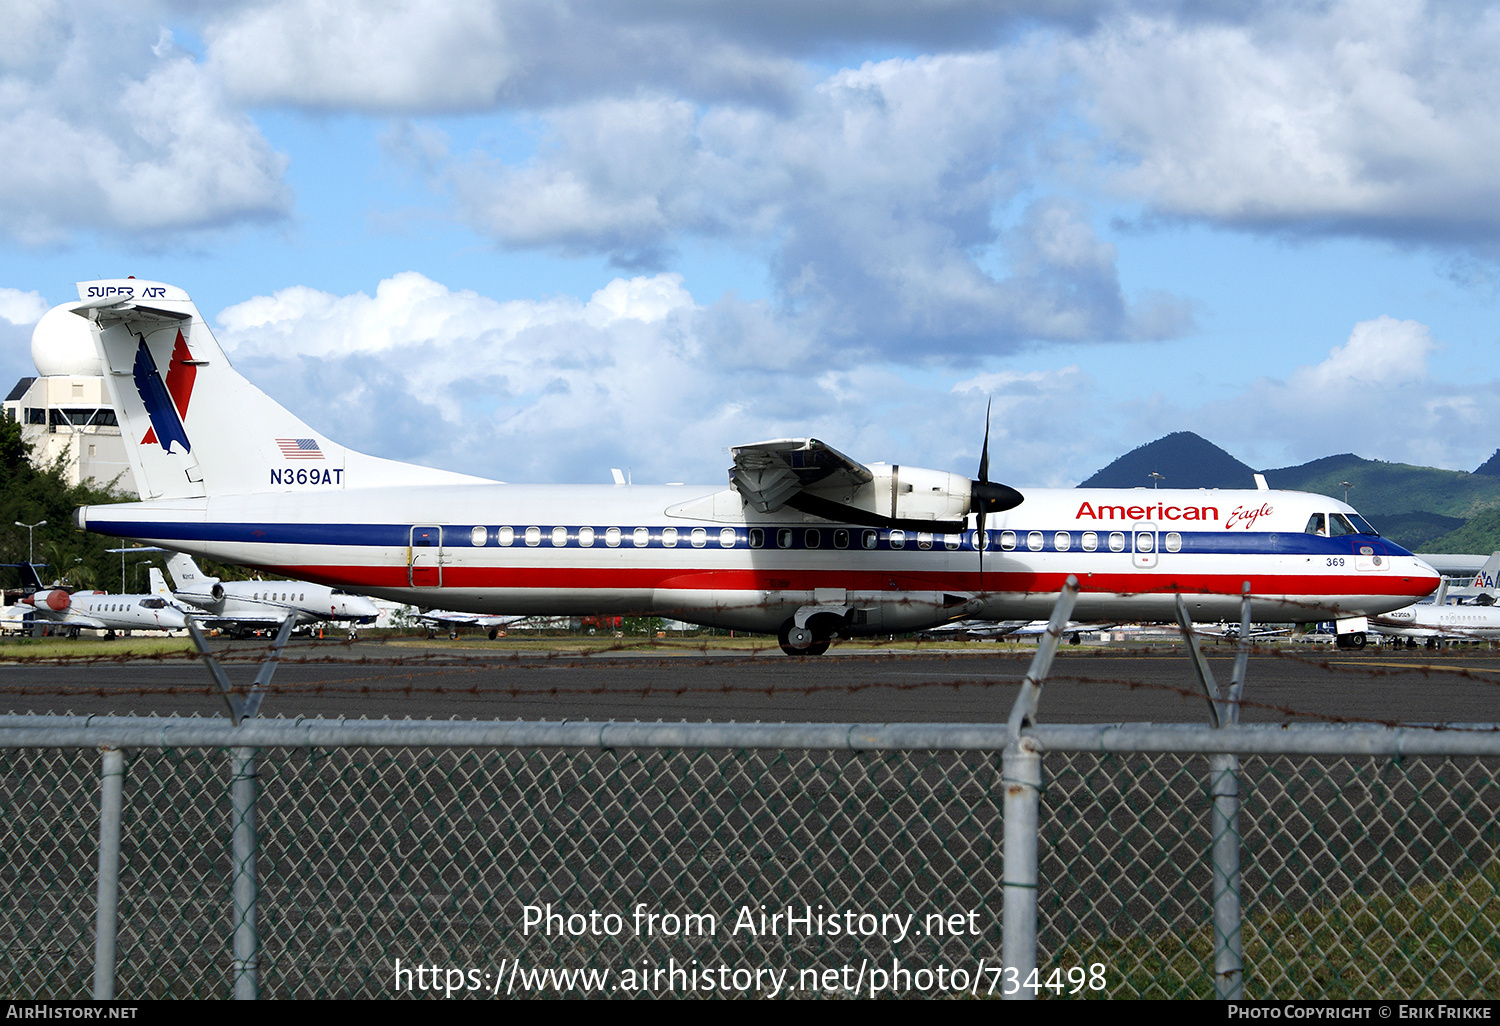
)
(769, 474)
(444, 617)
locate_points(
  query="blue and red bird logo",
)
(166, 403)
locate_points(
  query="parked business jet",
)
(804, 542)
(243, 606)
(74, 612)
(1433, 622)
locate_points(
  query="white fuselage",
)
(97, 610)
(701, 554)
(1432, 621)
(270, 602)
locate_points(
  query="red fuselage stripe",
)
(580, 579)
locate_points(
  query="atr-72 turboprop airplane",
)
(803, 541)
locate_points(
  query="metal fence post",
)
(246, 938)
(1229, 959)
(106, 916)
(1021, 771)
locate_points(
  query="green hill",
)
(1417, 531)
(1184, 460)
(1378, 488)
(1481, 534)
(1420, 508)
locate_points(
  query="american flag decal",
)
(300, 448)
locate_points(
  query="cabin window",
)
(1034, 541)
(506, 536)
(641, 537)
(533, 536)
(812, 538)
(559, 537)
(726, 537)
(1174, 541)
(867, 539)
(699, 537)
(784, 538)
(586, 537)
(1008, 540)
(924, 540)
(479, 536)
(898, 539)
(981, 539)
(669, 537)
(841, 538)
(1145, 541)
(952, 541)
(1062, 541)
(612, 537)
(1116, 541)
(757, 538)
(1090, 541)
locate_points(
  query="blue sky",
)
(538, 240)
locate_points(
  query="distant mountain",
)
(1481, 534)
(1377, 488)
(1184, 460)
(1420, 508)
(1417, 531)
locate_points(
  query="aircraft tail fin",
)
(193, 425)
(186, 575)
(30, 579)
(159, 583)
(1488, 578)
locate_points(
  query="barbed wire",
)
(411, 667)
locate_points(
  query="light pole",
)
(1346, 485)
(30, 548)
(1156, 478)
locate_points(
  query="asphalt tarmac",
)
(973, 683)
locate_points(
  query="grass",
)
(1436, 941)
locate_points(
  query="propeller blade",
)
(984, 454)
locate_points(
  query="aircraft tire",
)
(789, 633)
(453, 635)
(1357, 639)
(817, 648)
(73, 633)
(494, 633)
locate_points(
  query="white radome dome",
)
(62, 343)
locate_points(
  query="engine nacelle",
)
(56, 600)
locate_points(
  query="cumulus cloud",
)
(404, 56)
(105, 125)
(1351, 117)
(876, 197)
(637, 375)
(21, 308)
(1373, 395)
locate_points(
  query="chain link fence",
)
(713, 859)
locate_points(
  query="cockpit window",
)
(1339, 525)
(1317, 525)
(1361, 525)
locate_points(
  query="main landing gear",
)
(803, 641)
(1355, 639)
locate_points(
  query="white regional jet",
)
(243, 606)
(1432, 622)
(803, 542)
(77, 611)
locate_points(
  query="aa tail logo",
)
(166, 404)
